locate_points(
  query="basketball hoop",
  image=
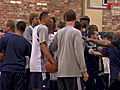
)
(115, 8)
(114, 16)
(113, 5)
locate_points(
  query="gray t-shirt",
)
(28, 33)
(71, 61)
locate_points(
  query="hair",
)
(93, 27)
(54, 23)
(11, 23)
(21, 25)
(91, 32)
(60, 24)
(43, 15)
(54, 20)
(77, 25)
(69, 15)
(32, 16)
(108, 35)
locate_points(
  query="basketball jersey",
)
(36, 60)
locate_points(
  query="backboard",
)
(100, 4)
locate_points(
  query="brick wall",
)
(20, 9)
(111, 21)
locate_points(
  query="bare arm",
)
(48, 55)
(47, 52)
(100, 42)
(91, 51)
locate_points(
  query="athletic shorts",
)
(39, 80)
(12, 81)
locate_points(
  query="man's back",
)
(15, 49)
(114, 54)
(69, 46)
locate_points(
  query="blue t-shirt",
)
(116, 43)
(114, 55)
(15, 49)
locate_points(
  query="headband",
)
(85, 19)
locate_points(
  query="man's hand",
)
(91, 51)
(119, 76)
(1, 57)
(100, 48)
(86, 76)
(1, 35)
(55, 65)
(47, 53)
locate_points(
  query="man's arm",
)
(43, 37)
(91, 51)
(47, 53)
(53, 46)
(99, 42)
(79, 52)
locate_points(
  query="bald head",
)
(116, 35)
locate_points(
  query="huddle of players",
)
(74, 60)
(110, 65)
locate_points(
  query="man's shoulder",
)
(15, 36)
(22, 39)
(29, 28)
(70, 29)
(116, 42)
(8, 36)
(40, 26)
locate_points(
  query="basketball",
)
(49, 67)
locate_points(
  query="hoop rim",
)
(111, 5)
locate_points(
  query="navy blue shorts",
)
(95, 83)
(39, 80)
(115, 84)
(12, 81)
